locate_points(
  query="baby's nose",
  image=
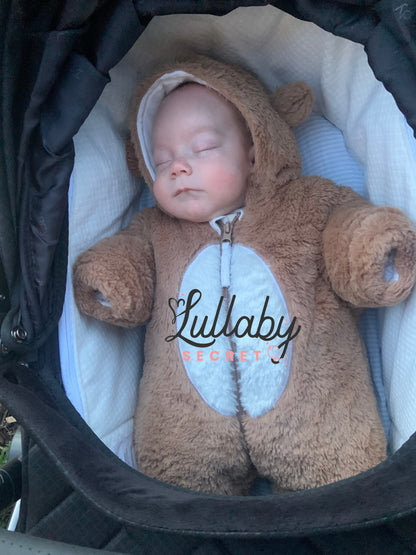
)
(180, 167)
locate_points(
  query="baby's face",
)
(202, 153)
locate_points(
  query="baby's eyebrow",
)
(159, 148)
(205, 129)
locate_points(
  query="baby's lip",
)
(183, 190)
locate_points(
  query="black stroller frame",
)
(73, 489)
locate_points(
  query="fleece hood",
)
(269, 117)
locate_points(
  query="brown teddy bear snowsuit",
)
(277, 382)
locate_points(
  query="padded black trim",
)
(388, 491)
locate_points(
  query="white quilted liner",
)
(101, 363)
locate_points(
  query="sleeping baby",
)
(250, 279)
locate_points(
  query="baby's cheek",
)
(226, 176)
(157, 188)
(159, 192)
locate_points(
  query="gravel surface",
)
(8, 427)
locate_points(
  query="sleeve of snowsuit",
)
(360, 242)
(114, 279)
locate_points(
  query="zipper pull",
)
(227, 229)
(226, 232)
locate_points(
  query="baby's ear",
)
(293, 102)
(132, 162)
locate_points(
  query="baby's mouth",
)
(184, 190)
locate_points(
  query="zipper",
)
(226, 243)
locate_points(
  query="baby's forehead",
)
(191, 96)
(188, 96)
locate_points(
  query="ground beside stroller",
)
(8, 426)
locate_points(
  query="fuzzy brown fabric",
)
(326, 247)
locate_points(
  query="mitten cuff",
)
(360, 245)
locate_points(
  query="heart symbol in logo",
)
(174, 305)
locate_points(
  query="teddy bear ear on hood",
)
(132, 161)
(293, 102)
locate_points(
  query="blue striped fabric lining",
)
(323, 151)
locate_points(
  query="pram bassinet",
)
(74, 488)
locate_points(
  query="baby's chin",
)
(196, 215)
(194, 218)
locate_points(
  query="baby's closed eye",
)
(205, 141)
(161, 157)
(159, 163)
(205, 146)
